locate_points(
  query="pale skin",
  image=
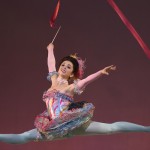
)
(65, 71)
(90, 128)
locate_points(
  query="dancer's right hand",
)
(50, 46)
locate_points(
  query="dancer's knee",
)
(114, 128)
(119, 126)
(111, 128)
(101, 128)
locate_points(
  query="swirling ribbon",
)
(55, 13)
(130, 27)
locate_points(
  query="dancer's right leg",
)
(19, 138)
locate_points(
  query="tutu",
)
(58, 120)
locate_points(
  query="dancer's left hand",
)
(108, 69)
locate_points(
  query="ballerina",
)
(64, 118)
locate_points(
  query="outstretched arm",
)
(84, 82)
(51, 59)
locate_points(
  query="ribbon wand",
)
(53, 19)
(56, 34)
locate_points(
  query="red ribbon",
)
(130, 27)
(54, 16)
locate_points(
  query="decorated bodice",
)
(56, 102)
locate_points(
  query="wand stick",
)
(56, 34)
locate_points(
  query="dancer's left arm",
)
(84, 82)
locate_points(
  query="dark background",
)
(95, 32)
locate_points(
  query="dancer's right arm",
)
(51, 59)
(51, 63)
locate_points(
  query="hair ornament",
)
(81, 65)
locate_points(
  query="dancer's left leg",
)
(95, 128)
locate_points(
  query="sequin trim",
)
(50, 74)
(76, 88)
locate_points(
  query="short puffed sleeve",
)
(76, 88)
(50, 74)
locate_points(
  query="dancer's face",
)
(66, 69)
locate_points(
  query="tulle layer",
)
(65, 123)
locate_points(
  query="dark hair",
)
(74, 62)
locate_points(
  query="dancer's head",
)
(71, 67)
